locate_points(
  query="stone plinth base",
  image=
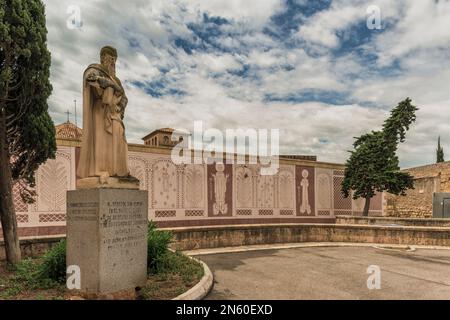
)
(107, 239)
(105, 182)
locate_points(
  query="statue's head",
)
(108, 57)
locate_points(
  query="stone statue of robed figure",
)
(108, 246)
(104, 151)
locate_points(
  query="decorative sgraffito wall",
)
(199, 194)
(47, 215)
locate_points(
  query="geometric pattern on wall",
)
(19, 205)
(22, 218)
(52, 217)
(244, 212)
(165, 213)
(52, 182)
(342, 212)
(265, 212)
(138, 169)
(340, 203)
(194, 213)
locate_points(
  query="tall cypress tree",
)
(373, 165)
(439, 152)
(27, 133)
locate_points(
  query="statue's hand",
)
(92, 77)
(104, 82)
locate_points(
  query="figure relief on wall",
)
(220, 188)
(265, 191)
(305, 207)
(165, 180)
(164, 184)
(324, 191)
(286, 182)
(194, 186)
(244, 187)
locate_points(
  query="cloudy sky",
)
(312, 69)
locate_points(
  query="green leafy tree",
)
(439, 152)
(27, 133)
(373, 165)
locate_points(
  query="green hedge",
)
(158, 246)
(53, 264)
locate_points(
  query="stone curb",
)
(202, 288)
(308, 245)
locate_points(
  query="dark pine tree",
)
(27, 133)
(439, 152)
(373, 165)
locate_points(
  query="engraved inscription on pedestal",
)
(107, 238)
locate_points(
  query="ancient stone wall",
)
(419, 201)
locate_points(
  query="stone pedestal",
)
(107, 239)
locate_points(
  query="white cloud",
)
(418, 41)
(254, 13)
(422, 25)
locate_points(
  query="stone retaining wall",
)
(33, 247)
(227, 236)
(418, 202)
(424, 222)
(191, 238)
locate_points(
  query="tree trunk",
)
(7, 211)
(366, 207)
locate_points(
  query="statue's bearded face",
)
(110, 63)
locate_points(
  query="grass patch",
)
(169, 273)
(25, 282)
(177, 273)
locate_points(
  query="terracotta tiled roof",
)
(68, 130)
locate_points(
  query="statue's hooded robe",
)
(104, 148)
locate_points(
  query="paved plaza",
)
(330, 273)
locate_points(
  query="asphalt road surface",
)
(330, 273)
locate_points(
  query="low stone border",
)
(33, 246)
(199, 252)
(192, 238)
(394, 221)
(202, 288)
